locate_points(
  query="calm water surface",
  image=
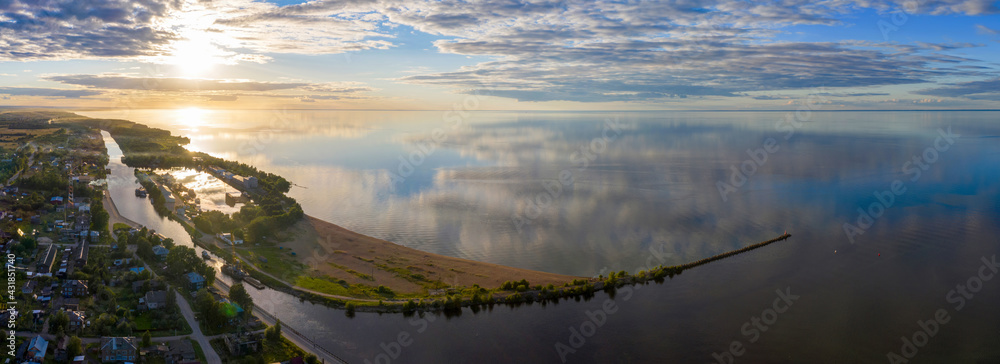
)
(646, 192)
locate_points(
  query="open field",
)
(337, 259)
(13, 138)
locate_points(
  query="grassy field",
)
(144, 322)
(280, 262)
(14, 138)
(331, 285)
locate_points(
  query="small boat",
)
(253, 282)
(140, 192)
(233, 271)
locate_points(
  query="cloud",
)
(55, 29)
(853, 94)
(585, 51)
(226, 98)
(982, 29)
(214, 89)
(234, 30)
(639, 70)
(974, 90)
(47, 92)
(123, 82)
(609, 51)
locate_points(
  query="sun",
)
(195, 55)
(191, 58)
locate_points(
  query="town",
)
(89, 290)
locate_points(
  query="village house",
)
(195, 281)
(45, 264)
(243, 344)
(36, 350)
(181, 351)
(77, 320)
(118, 349)
(45, 296)
(29, 288)
(153, 300)
(160, 252)
(81, 254)
(74, 288)
(137, 286)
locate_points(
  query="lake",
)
(587, 193)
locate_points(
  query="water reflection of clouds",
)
(654, 185)
(211, 191)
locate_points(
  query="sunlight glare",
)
(195, 56)
(191, 117)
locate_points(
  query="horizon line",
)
(489, 110)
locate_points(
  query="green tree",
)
(144, 249)
(209, 308)
(273, 333)
(311, 359)
(239, 295)
(74, 347)
(147, 340)
(58, 322)
(171, 299)
(98, 216)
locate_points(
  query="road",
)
(210, 355)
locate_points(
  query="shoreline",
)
(334, 251)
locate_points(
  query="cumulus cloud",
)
(233, 30)
(574, 50)
(602, 51)
(53, 29)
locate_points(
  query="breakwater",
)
(728, 254)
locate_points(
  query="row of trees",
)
(98, 216)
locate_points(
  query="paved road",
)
(210, 355)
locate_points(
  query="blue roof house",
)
(195, 281)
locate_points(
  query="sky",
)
(500, 54)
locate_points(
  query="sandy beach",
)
(331, 250)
